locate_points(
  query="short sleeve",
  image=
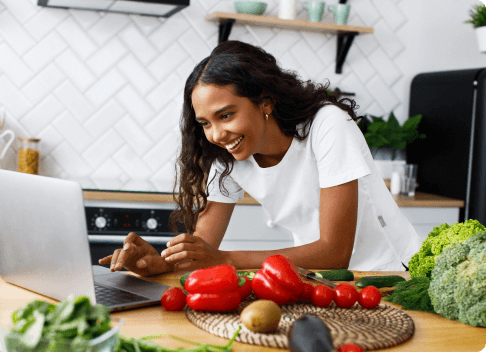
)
(234, 191)
(338, 147)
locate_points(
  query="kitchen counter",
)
(432, 332)
(419, 200)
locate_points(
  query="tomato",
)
(349, 347)
(322, 296)
(369, 297)
(306, 294)
(173, 299)
(345, 295)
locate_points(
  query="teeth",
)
(233, 145)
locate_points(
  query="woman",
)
(247, 125)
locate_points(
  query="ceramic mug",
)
(315, 9)
(341, 13)
(5, 133)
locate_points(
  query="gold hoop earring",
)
(266, 117)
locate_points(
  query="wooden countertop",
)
(419, 200)
(432, 332)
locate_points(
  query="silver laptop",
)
(44, 245)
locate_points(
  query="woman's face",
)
(230, 121)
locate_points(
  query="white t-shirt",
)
(335, 152)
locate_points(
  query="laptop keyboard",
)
(111, 296)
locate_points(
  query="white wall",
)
(103, 91)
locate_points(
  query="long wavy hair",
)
(254, 74)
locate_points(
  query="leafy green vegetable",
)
(131, 344)
(70, 325)
(422, 262)
(412, 294)
(458, 286)
(42, 326)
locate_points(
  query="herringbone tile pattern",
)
(104, 91)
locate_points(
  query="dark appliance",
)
(160, 8)
(452, 158)
(109, 223)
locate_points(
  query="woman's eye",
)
(203, 123)
(226, 116)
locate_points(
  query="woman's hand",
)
(188, 252)
(137, 255)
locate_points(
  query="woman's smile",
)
(233, 146)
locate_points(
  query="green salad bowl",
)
(250, 7)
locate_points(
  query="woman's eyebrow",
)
(226, 107)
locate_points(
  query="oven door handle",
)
(120, 239)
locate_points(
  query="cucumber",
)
(336, 275)
(379, 281)
(184, 278)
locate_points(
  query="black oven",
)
(109, 222)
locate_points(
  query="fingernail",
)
(163, 254)
(142, 264)
(112, 266)
(168, 244)
(126, 246)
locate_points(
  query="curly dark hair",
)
(254, 74)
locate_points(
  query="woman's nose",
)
(219, 134)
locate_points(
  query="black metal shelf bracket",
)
(225, 29)
(344, 41)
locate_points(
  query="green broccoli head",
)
(458, 286)
(441, 236)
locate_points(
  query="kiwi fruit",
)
(261, 316)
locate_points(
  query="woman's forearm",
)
(316, 255)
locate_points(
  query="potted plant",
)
(388, 140)
(478, 20)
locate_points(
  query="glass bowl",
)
(9, 341)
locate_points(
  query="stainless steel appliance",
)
(109, 222)
(452, 158)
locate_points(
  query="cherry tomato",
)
(345, 295)
(322, 296)
(369, 297)
(306, 294)
(173, 299)
(349, 347)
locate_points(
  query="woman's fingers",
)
(152, 265)
(105, 260)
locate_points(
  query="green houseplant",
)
(389, 134)
(478, 20)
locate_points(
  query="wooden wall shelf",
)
(345, 33)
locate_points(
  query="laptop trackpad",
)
(132, 284)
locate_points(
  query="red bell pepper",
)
(278, 280)
(213, 289)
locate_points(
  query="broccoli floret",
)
(458, 286)
(422, 262)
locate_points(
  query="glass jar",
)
(29, 155)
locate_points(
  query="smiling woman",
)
(248, 125)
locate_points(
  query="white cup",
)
(9, 143)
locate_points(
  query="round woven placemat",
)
(371, 329)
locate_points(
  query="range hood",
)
(159, 8)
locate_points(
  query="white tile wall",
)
(104, 91)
